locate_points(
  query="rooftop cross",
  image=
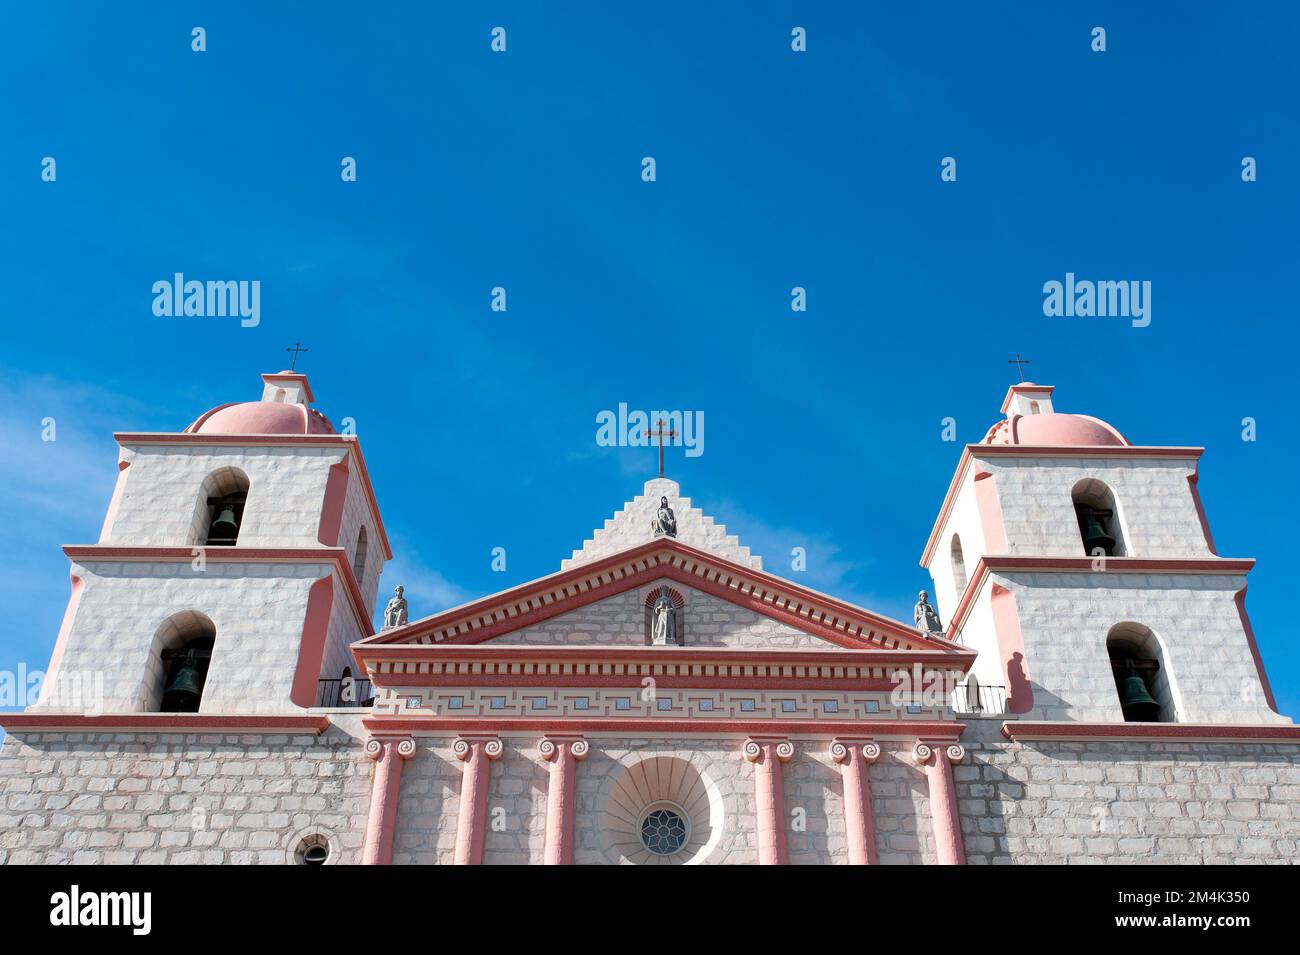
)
(661, 434)
(297, 347)
(1019, 363)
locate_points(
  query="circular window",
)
(663, 830)
(312, 850)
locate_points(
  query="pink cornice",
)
(102, 553)
(825, 617)
(348, 441)
(876, 729)
(975, 451)
(525, 665)
(41, 722)
(1185, 732)
(994, 563)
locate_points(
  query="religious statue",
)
(395, 612)
(925, 616)
(663, 633)
(665, 522)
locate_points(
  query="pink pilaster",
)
(389, 753)
(853, 757)
(563, 754)
(767, 755)
(936, 760)
(476, 752)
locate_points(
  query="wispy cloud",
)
(427, 591)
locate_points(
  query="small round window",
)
(312, 850)
(663, 831)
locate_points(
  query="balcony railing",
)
(979, 700)
(348, 691)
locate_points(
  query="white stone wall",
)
(631, 526)
(258, 610)
(1158, 515)
(1118, 802)
(285, 498)
(1066, 617)
(143, 799)
(236, 798)
(710, 622)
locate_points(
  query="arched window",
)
(219, 511)
(359, 557)
(958, 567)
(1097, 513)
(1033, 407)
(178, 663)
(1143, 679)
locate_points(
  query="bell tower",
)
(238, 560)
(1081, 568)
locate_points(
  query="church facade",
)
(218, 694)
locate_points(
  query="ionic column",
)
(767, 755)
(476, 752)
(563, 755)
(389, 753)
(854, 756)
(944, 816)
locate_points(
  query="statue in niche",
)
(926, 617)
(665, 522)
(663, 632)
(395, 612)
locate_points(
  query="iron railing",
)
(347, 691)
(979, 699)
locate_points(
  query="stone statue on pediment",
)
(665, 522)
(926, 617)
(395, 612)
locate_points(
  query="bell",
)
(225, 527)
(182, 694)
(1139, 706)
(1095, 537)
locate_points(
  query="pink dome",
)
(1058, 430)
(262, 417)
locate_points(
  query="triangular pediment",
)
(749, 603)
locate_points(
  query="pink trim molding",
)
(563, 754)
(41, 722)
(1184, 732)
(336, 496)
(429, 724)
(1240, 599)
(767, 755)
(311, 646)
(61, 642)
(1011, 650)
(990, 511)
(944, 817)
(388, 753)
(115, 502)
(471, 826)
(854, 756)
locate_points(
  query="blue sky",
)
(775, 169)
